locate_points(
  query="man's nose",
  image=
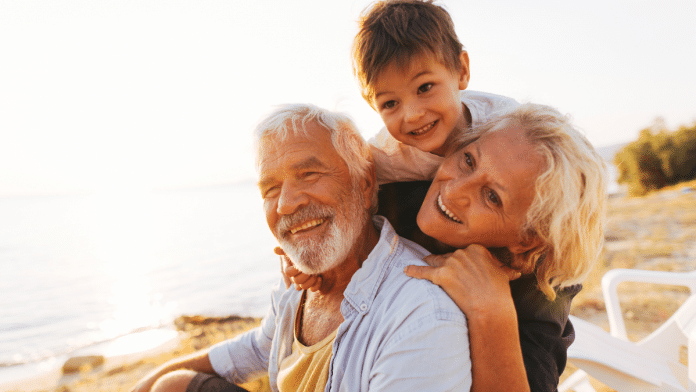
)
(291, 198)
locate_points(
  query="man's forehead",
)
(296, 152)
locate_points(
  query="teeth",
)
(446, 211)
(307, 225)
(423, 130)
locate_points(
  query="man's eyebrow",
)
(309, 163)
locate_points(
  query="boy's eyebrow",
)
(416, 76)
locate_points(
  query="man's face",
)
(311, 205)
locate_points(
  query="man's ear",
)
(464, 74)
(367, 186)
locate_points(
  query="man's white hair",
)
(291, 119)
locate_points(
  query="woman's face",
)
(481, 193)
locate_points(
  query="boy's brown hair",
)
(398, 30)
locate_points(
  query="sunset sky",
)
(103, 95)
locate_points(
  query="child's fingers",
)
(291, 271)
(420, 272)
(436, 260)
(317, 285)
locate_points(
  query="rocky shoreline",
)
(120, 374)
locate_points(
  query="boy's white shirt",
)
(398, 162)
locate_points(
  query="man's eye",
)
(424, 88)
(270, 192)
(309, 174)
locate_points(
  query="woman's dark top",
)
(545, 331)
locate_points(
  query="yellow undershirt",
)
(307, 368)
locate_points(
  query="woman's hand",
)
(472, 277)
(292, 275)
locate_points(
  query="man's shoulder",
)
(401, 294)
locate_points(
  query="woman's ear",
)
(526, 244)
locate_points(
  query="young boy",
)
(412, 70)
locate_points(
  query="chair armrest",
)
(613, 278)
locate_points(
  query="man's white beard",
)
(318, 255)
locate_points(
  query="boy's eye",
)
(424, 88)
(388, 104)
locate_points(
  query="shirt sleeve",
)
(246, 357)
(545, 331)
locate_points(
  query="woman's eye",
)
(493, 198)
(468, 160)
(424, 88)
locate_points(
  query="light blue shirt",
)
(398, 334)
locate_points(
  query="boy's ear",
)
(464, 72)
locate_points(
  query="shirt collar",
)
(362, 289)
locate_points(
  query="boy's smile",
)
(419, 102)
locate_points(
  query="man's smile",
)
(307, 225)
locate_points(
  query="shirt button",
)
(363, 307)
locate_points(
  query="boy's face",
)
(420, 104)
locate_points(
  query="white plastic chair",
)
(651, 364)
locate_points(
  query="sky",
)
(99, 96)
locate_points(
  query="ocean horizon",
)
(104, 274)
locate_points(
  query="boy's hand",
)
(292, 275)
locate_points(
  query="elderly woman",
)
(517, 208)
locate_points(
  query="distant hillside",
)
(608, 152)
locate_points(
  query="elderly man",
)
(369, 326)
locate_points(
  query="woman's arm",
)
(479, 284)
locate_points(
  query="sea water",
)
(78, 273)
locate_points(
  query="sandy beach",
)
(656, 232)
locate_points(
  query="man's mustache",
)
(306, 213)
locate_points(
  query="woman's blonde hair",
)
(568, 210)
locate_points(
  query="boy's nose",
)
(414, 112)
